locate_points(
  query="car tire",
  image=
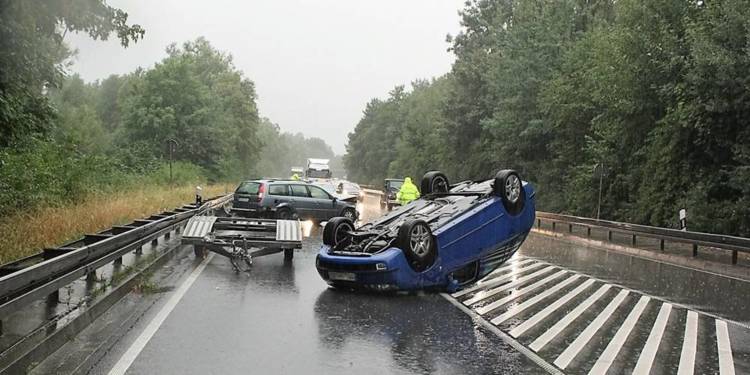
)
(418, 244)
(350, 214)
(284, 214)
(509, 187)
(434, 182)
(335, 230)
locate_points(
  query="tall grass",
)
(26, 232)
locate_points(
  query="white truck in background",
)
(318, 168)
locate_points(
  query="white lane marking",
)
(130, 355)
(491, 292)
(689, 345)
(575, 347)
(490, 282)
(646, 359)
(503, 336)
(613, 348)
(534, 300)
(726, 362)
(546, 337)
(487, 308)
(534, 320)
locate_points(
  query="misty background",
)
(315, 64)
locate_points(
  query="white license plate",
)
(243, 199)
(341, 276)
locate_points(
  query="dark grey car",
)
(286, 199)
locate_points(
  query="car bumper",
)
(385, 271)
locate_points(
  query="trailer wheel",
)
(200, 253)
(434, 182)
(509, 187)
(415, 239)
(288, 254)
(336, 231)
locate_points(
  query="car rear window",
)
(248, 187)
(278, 190)
(299, 190)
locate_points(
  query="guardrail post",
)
(155, 242)
(609, 235)
(139, 250)
(588, 231)
(538, 223)
(633, 242)
(695, 250)
(661, 244)
(167, 235)
(117, 262)
(553, 226)
(734, 256)
(570, 228)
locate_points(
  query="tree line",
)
(652, 97)
(62, 138)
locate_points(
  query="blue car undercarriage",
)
(453, 236)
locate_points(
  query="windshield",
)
(314, 173)
(394, 185)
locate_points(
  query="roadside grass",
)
(26, 233)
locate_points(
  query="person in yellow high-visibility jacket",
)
(295, 177)
(408, 192)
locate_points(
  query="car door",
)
(324, 203)
(278, 194)
(301, 201)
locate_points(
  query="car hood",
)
(347, 197)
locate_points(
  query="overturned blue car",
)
(452, 236)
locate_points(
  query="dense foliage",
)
(657, 92)
(62, 138)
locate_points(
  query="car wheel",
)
(434, 182)
(350, 214)
(284, 214)
(337, 231)
(509, 187)
(415, 239)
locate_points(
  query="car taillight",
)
(261, 190)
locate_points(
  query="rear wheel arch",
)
(335, 230)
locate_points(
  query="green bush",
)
(47, 173)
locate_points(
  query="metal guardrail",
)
(720, 241)
(39, 275)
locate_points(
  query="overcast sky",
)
(315, 63)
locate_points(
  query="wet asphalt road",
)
(282, 318)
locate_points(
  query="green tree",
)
(196, 96)
(31, 38)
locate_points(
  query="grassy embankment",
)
(26, 233)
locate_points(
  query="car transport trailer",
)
(242, 239)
